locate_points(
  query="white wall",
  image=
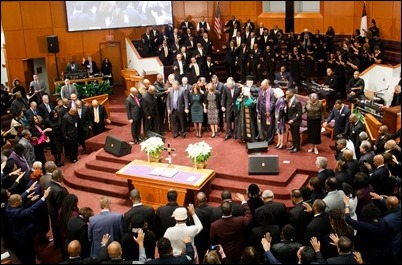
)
(382, 80)
(149, 64)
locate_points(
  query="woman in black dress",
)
(106, 69)
(315, 117)
(197, 107)
(55, 136)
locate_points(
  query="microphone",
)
(129, 62)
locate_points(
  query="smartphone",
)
(214, 247)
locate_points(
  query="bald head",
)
(347, 154)
(392, 202)
(74, 248)
(378, 160)
(201, 197)
(135, 195)
(114, 250)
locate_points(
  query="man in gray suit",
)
(38, 85)
(68, 89)
(29, 151)
(230, 92)
(177, 105)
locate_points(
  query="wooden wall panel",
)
(269, 20)
(91, 40)
(15, 69)
(194, 10)
(36, 14)
(10, 15)
(242, 8)
(37, 39)
(381, 9)
(69, 42)
(338, 8)
(178, 11)
(396, 10)
(15, 44)
(341, 26)
(58, 12)
(312, 23)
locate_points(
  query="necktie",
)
(197, 70)
(48, 108)
(166, 52)
(231, 91)
(96, 113)
(137, 101)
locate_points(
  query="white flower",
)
(152, 145)
(199, 152)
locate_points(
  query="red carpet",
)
(95, 173)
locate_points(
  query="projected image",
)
(88, 15)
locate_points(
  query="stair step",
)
(99, 176)
(123, 160)
(296, 182)
(104, 166)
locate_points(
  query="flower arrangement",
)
(199, 152)
(153, 146)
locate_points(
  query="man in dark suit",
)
(46, 107)
(298, 217)
(249, 24)
(232, 27)
(229, 231)
(271, 213)
(22, 226)
(147, 43)
(204, 213)
(69, 129)
(83, 124)
(32, 111)
(284, 78)
(134, 114)
(323, 172)
(243, 61)
(98, 117)
(163, 217)
(275, 32)
(179, 67)
(77, 229)
(177, 105)
(230, 93)
(340, 113)
(54, 203)
(139, 208)
(150, 111)
(165, 54)
(379, 177)
(195, 71)
(186, 24)
(218, 87)
(294, 118)
(353, 130)
(320, 226)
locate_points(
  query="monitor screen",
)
(88, 15)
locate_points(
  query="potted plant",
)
(199, 153)
(153, 146)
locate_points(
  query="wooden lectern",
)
(131, 78)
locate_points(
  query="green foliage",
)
(359, 114)
(89, 90)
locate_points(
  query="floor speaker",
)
(154, 134)
(117, 146)
(52, 44)
(257, 147)
(263, 164)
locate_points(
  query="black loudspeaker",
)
(263, 164)
(116, 146)
(154, 134)
(52, 44)
(257, 147)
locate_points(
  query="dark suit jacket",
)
(341, 120)
(164, 219)
(353, 131)
(324, 174)
(133, 109)
(272, 213)
(287, 76)
(102, 117)
(177, 75)
(86, 65)
(149, 105)
(201, 240)
(85, 119)
(381, 181)
(299, 219)
(77, 229)
(43, 112)
(227, 101)
(146, 210)
(342, 259)
(69, 128)
(318, 227)
(237, 210)
(30, 113)
(294, 112)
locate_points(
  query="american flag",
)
(217, 22)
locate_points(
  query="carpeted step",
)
(100, 177)
(240, 186)
(104, 166)
(277, 180)
(102, 155)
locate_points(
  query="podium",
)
(131, 78)
(188, 181)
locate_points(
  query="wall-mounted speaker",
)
(52, 44)
(117, 146)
